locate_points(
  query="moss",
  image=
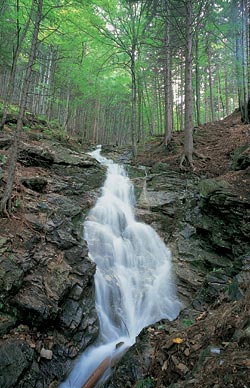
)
(241, 157)
(208, 186)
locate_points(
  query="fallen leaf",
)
(177, 340)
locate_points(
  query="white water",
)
(134, 282)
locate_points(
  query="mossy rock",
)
(208, 186)
(241, 157)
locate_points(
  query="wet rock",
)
(15, 359)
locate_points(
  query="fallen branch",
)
(97, 374)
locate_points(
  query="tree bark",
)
(5, 204)
(188, 131)
(244, 49)
(197, 80)
(168, 81)
(133, 100)
(211, 95)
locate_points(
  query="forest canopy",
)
(120, 71)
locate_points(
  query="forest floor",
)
(215, 144)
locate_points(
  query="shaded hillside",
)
(223, 148)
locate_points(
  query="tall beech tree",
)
(5, 204)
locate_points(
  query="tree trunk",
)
(133, 101)
(188, 131)
(226, 93)
(168, 81)
(244, 49)
(211, 95)
(5, 204)
(197, 80)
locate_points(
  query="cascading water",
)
(133, 280)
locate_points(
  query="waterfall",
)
(134, 282)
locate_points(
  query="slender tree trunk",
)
(67, 110)
(181, 94)
(226, 93)
(220, 96)
(133, 101)
(148, 109)
(206, 103)
(211, 95)
(168, 81)
(160, 108)
(5, 204)
(140, 110)
(188, 131)
(197, 80)
(244, 50)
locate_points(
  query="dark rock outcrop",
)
(47, 301)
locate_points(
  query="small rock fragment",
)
(45, 353)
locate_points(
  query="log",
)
(103, 366)
(97, 374)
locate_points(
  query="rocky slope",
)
(47, 312)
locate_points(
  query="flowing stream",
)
(133, 280)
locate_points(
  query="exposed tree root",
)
(201, 156)
(188, 159)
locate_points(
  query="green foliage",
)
(3, 159)
(187, 322)
(17, 203)
(82, 76)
